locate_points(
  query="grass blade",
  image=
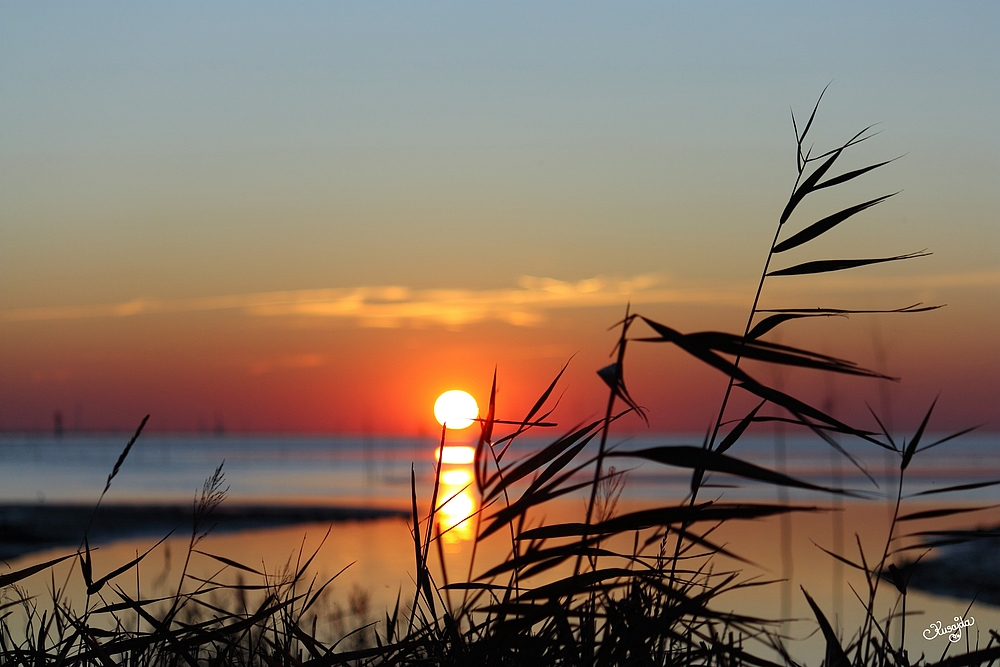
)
(99, 584)
(14, 577)
(229, 562)
(984, 656)
(835, 656)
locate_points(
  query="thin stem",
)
(612, 395)
(746, 330)
(881, 565)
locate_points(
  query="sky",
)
(315, 218)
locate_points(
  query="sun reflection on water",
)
(458, 503)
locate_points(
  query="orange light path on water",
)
(455, 454)
(458, 502)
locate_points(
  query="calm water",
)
(376, 470)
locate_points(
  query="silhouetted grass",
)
(564, 593)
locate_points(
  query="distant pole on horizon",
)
(57, 424)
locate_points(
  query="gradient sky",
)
(317, 217)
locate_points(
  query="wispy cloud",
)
(391, 306)
(526, 304)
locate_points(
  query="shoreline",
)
(26, 528)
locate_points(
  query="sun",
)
(456, 409)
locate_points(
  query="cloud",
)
(524, 305)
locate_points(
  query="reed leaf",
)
(811, 182)
(535, 555)
(545, 395)
(911, 448)
(539, 459)
(739, 429)
(828, 265)
(663, 516)
(524, 503)
(801, 409)
(800, 138)
(948, 438)
(774, 353)
(826, 224)
(764, 419)
(912, 308)
(706, 345)
(771, 322)
(851, 175)
(485, 438)
(934, 514)
(580, 583)
(698, 458)
(957, 487)
(560, 463)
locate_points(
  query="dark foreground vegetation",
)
(566, 593)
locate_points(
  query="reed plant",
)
(634, 588)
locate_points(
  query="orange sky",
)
(315, 220)
(322, 374)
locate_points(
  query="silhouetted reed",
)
(633, 588)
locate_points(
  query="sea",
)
(373, 560)
(376, 470)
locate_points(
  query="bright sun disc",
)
(456, 409)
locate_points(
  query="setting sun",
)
(456, 409)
